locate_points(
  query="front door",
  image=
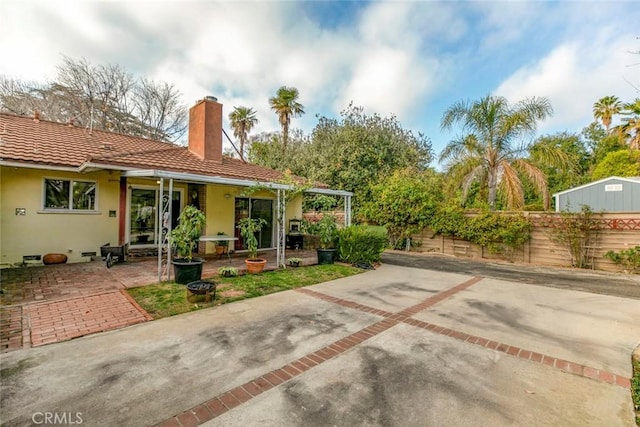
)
(143, 215)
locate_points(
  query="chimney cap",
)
(211, 98)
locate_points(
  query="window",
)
(70, 195)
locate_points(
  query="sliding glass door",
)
(255, 208)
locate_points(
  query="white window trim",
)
(70, 210)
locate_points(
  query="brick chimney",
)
(205, 129)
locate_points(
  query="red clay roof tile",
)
(25, 140)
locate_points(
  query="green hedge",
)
(361, 244)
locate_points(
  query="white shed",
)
(613, 194)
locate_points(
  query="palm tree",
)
(487, 151)
(286, 106)
(243, 119)
(606, 108)
(630, 126)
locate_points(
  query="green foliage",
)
(559, 179)
(618, 163)
(348, 154)
(498, 232)
(326, 229)
(184, 238)
(628, 258)
(169, 299)
(227, 271)
(635, 387)
(249, 227)
(319, 203)
(361, 244)
(489, 150)
(577, 232)
(223, 243)
(351, 154)
(404, 202)
(600, 143)
(447, 220)
(294, 262)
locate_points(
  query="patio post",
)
(347, 211)
(159, 228)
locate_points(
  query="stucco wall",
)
(39, 232)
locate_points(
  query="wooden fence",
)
(619, 231)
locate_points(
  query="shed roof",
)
(633, 179)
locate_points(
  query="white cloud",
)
(574, 76)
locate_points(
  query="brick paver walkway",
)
(43, 305)
(10, 328)
(75, 317)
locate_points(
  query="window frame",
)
(71, 208)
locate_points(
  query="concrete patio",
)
(47, 304)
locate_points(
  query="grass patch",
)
(635, 388)
(168, 299)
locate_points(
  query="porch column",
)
(280, 228)
(163, 228)
(347, 211)
(159, 227)
(122, 218)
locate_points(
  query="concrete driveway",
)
(398, 346)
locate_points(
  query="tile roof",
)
(45, 143)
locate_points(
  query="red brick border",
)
(230, 399)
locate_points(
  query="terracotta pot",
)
(54, 259)
(255, 265)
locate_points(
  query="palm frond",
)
(537, 178)
(511, 186)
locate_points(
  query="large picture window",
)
(69, 195)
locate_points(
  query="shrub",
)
(226, 271)
(361, 244)
(577, 232)
(628, 258)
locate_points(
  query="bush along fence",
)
(561, 239)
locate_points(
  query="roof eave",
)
(208, 179)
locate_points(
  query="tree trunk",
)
(493, 188)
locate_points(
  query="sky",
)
(410, 59)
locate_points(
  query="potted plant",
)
(221, 245)
(248, 228)
(326, 230)
(184, 239)
(227, 271)
(294, 262)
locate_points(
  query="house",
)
(68, 189)
(613, 194)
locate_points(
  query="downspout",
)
(122, 224)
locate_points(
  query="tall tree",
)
(104, 97)
(605, 108)
(560, 179)
(488, 151)
(243, 119)
(286, 106)
(630, 126)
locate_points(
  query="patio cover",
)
(164, 214)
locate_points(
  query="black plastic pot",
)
(187, 271)
(326, 256)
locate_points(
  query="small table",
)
(219, 239)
